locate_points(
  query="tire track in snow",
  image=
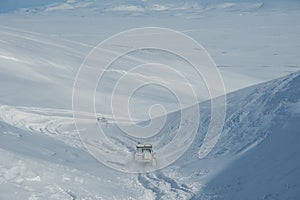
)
(52, 122)
(174, 185)
(147, 184)
(163, 186)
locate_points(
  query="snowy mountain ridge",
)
(141, 6)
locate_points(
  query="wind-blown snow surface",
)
(11, 5)
(42, 44)
(267, 164)
(40, 156)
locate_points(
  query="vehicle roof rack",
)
(144, 146)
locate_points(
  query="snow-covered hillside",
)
(12, 5)
(255, 44)
(42, 158)
(262, 138)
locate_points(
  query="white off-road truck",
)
(145, 155)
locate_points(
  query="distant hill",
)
(143, 6)
(11, 5)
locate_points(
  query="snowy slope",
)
(42, 49)
(270, 139)
(42, 44)
(269, 170)
(34, 166)
(12, 5)
(257, 154)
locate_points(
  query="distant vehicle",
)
(102, 120)
(145, 154)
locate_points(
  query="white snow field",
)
(256, 46)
